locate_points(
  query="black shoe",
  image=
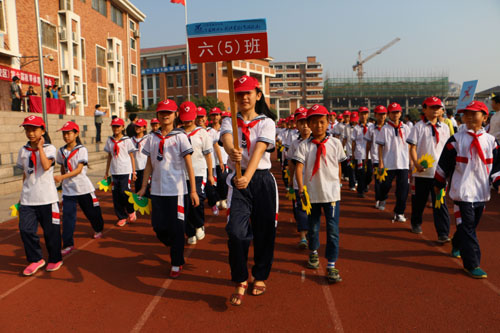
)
(444, 239)
(361, 195)
(416, 229)
(333, 276)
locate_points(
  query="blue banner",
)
(467, 94)
(168, 69)
(226, 28)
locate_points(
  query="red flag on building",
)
(182, 2)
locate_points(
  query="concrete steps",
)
(12, 138)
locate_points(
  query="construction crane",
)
(358, 67)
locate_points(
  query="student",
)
(299, 213)
(201, 158)
(76, 187)
(333, 122)
(140, 159)
(155, 125)
(55, 92)
(347, 143)
(220, 157)
(130, 130)
(428, 137)
(362, 160)
(72, 103)
(318, 168)
(471, 159)
(290, 134)
(338, 132)
(394, 157)
(98, 113)
(371, 146)
(39, 199)
(121, 166)
(253, 201)
(201, 117)
(169, 154)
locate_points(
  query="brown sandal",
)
(238, 297)
(260, 289)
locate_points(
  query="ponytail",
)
(262, 108)
(46, 137)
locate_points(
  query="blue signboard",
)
(226, 28)
(467, 94)
(167, 69)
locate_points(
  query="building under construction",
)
(349, 93)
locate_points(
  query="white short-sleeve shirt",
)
(338, 130)
(202, 144)
(79, 184)
(263, 131)
(347, 135)
(121, 164)
(291, 151)
(371, 136)
(324, 186)
(359, 137)
(421, 135)
(140, 158)
(168, 177)
(39, 187)
(394, 148)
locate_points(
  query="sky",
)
(457, 38)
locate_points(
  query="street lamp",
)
(35, 58)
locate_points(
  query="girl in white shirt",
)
(121, 165)
(76, 186)
(39, 199)
(140, 159)
(220, 157)
(253, 202)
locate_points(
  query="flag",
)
(182, 2)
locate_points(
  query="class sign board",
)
(467, 94)
(227, 40)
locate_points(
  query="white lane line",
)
(334, 314)
(25, 282)
(490, 285)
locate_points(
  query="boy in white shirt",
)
(394, 158)
(371, 146)
(362, 160)
(428, 137)
(140, 159)
(347, 143)
(318, 168)
(471, 159)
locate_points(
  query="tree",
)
(129, 107)
(414, 115)
(208, 102)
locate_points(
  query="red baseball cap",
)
(380, 109)
(201, 112)
(117, 122)
(317, 110)
(333, 113)
(69, 126)
(354, 117)
(394, 107)
(141, 123)
(33, 121)
(347, 113)
(300, 113)
(155, 121)
(166, 105)
(215, 110)
(431, 101)
(225, 114)
(363, 109)
(476, 106)
(187, 111)
(246, 83)
(340, 117)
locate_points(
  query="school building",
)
(296, 84)
(91, 47)
(164, 75)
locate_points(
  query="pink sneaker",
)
(33, 267)
(121, 223)
(215, 210)
(175, 272)
(67, 250)
(54, 266)
(98, 235)
(132, 217)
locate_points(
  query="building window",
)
(195, 78)
(2, 16)
(179, 80)
(116, 16)
(82, 47)
(151, 101)
(149, 81)
(100, 6)
(170, 81)
(84, 93)
(132, 25)
(102, 96)
(133, 69)
(101, 56)
(211, 86)
(65, 5)
(153, 63)
(157, 81)
(134, 99)
(132, 43)
(49, 35)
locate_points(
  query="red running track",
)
(393, 280)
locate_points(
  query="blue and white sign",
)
(168, 69)
(467, 94)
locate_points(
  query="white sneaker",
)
(200, 233)
(399, 218)
(381, 205)
(377, 204)
(218, 203)
(223, 204)
(192, 240)
(353, 189)
(215, 210)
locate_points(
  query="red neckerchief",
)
(194, 132)
(475, 143)
(162, 142)
(365, 129)
(66, 162)
(397, 128)
(321, 150)
(435, 131)
(245, 130)
(116, 148)
(378, 127)
(33, 155)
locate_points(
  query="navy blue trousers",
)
(221, 182)
(299, 214)
(465, 238)
(121, 183)
(402, 188)
(196, 215)
(364, 176)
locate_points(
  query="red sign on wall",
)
(7, 73)
(229, 40)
